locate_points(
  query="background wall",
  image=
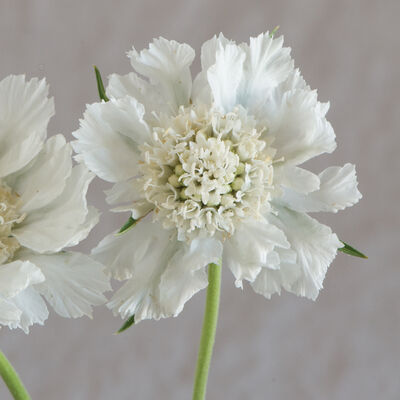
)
(345, 345)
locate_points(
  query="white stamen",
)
(206, 171)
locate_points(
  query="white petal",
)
(338, 190)
(294, 81)
(167, 63)
(185, 274)
(282, 274)
(267, 65)
(17, 276)
(25, 111)
(82, 231)
(225, 75)
(140, 208)
(111, 155)
(201, 89)
(123, 192)
(297, 122)
(64, 221)
(126, 195)
(246, 252)
(9, 313)
(117, 253)
(145, 93)
(315, 246)
(33, 308)
(74, 282)
(296, 178)
(209, 50)
(125, 116)
(165, 273)
(35, 185)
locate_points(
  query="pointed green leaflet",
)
(351, 251)
(127, 324)
(100, 86)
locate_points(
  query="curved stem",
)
(208, 331)
(11, 379)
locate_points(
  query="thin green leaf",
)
(351, 251)
(128, 225)
(274, 31)
(127, 324)
(100, 86)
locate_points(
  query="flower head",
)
(43, 209)
(209, 169)
(204, 172)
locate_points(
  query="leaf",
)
(128, 225)
(127, 324)
(271, 35)
(100, 86)
(351, 251)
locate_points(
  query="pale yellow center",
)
(9, 216)
(205, 171)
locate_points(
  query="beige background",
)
(345, 345)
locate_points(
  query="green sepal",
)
(128, 225)
(127, 324)
(351, 251)
(271, 35)
(100, 86)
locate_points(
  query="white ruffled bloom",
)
(210, 168)
(43, 209)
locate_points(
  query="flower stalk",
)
(208, 332)
(12, 380)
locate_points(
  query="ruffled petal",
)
(145, 93)
(35, 185)
(125, 116)
(164, 273)
(295, 178)
(185, 274)
(281, 274)
(315, 246)
(225, 76)
(338, 190)
(296, 121)
(117, 253)
(267, 64)
(33, 309)
(110, 154)
(248, 250)
(201, 92)
(9, 313)
(124, 192)
(167, 64)
(126, 196)
(74, 282)
(63, 222)
(16, 276)
(25, 111)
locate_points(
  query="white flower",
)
(210, 168)
(43, 209)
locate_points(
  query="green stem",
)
(11, 379)
(208, 332)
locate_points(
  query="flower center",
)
(9, 216)
(205, 171)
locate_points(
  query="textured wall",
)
(345, 345)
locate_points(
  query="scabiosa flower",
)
(209, 171)
(43, 209)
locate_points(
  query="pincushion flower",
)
(43, 210)
(210, 171)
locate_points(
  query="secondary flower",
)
(43, 209)
(209, 169)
